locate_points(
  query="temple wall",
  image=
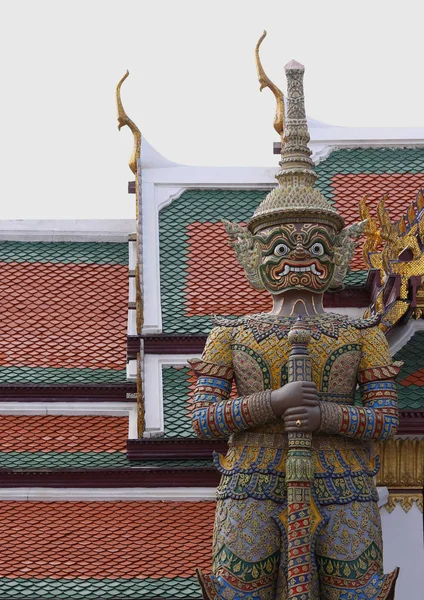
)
(403, 539)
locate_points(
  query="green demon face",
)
(296, 256)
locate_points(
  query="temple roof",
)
(199, 273)
(43, 443)
(64, 312)
(103, 549)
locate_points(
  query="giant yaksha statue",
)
(297, 513)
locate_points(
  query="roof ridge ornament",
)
(123, 119)
(265, 82)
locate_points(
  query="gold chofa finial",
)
(123, 119)
(265, 81)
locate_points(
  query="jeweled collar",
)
(263, 325)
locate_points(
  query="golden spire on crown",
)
(295, 199)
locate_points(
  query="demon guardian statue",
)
(297, 513)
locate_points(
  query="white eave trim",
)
(153, 389)
(177, 494)
(403, 333)
(67, 230)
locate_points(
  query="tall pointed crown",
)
(295, 199)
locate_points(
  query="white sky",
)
(192, 91)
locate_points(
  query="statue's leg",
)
(349, 554)
(246, 552)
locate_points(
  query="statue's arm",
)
(377, 418)
(214, 413)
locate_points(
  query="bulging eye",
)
(317, 249)
(281, 250)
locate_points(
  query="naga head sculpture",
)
(295, 238)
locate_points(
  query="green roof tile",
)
(29, 461)
(176, 402)
(77, 589)
(411, 397)
(59, 376)
(355, 279)
(100, 253)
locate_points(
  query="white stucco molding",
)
(160, 186)
(106, 409)
(176, 494)
(153, 389)
(403, 547)
(326, 138)
(403, 333)
(132, 366)
(67, 230)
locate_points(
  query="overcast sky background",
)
(192, 90)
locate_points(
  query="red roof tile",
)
(212, 266)
(415, 378)
(349, 189)
(46, 433)
(63, 315)
(113, 540)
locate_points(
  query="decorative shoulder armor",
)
(206, 369)
(380, 373)
(365, 323)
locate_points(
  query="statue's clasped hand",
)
(297, 404)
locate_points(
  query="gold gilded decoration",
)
(372, 233)
(140, 400)
(123, 119)
(402, 463)
(405, 501)
(265, 82)
(394, 248)
(402, 471)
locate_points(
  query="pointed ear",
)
(247, 251)
(345, 244)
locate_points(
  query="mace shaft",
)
(299, 478)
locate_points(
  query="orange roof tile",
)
(349, 189)
(212, 266)
(116, 540)
(415, 378)
(63, 315)
(47, 433)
